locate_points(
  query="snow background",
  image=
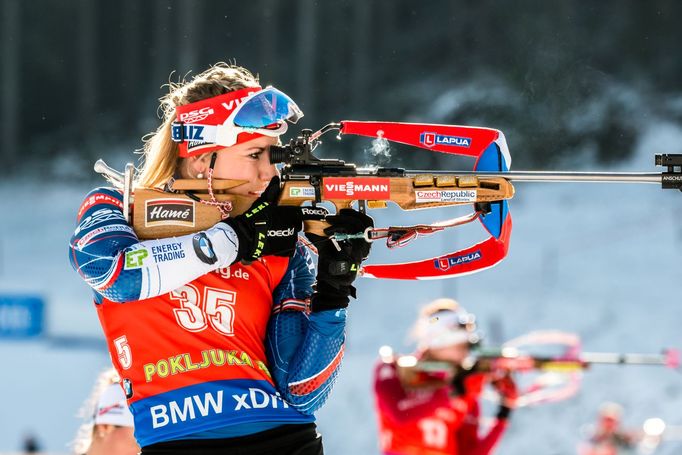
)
(595, 259)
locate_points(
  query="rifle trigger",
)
(335, 243)
(315, 182)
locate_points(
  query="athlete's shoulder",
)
(101, 215)
(98, 198)
(385, 367)
(474, 383)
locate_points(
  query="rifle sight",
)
(672, 179)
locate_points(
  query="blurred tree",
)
(11, 127)
(161, 43)
(363, 62)
(306, 51)
(189, 25)
(269, 37)
(558, 78)
(131, 70)
(87, 64)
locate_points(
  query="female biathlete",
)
(108, 429)
(422, 412)
(226, 341)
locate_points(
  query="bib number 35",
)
(215, 308)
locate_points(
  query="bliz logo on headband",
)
(431, 139)
(180, 132)
(444, 263)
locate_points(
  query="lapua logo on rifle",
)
(444, 263)
(431, 139)
(175, 212)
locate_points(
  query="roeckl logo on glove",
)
(281, 232)
(319, 211)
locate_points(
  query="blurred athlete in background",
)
(426, 403)
(108, 429)
(608, 438)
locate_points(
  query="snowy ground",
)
(598, 260)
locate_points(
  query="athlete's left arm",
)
(304, 350)
(468, 439)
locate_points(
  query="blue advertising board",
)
(21, 316)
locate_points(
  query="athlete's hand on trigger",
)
(339, 261)
(504, 385)
(268, 229)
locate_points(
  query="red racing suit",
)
(433, 421)
(205, 349)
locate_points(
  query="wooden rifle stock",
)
(160, 214)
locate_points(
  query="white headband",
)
(446, 328)
(112, 408)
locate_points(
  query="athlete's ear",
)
(103, 429)
(198, 165)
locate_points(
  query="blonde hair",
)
(160, 154)
(442, 304)
(87, 411)
(427, 312)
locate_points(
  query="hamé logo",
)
(167, 211)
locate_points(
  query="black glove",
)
(509, 394)
(268, 229)
(338, 267)
(503, 412)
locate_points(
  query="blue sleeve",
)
(97, 245)
(304, 350)
(111, 259)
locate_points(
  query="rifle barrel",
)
(559, 176)
(626, 359)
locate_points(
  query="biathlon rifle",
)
(557, 376)
(178, 209)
